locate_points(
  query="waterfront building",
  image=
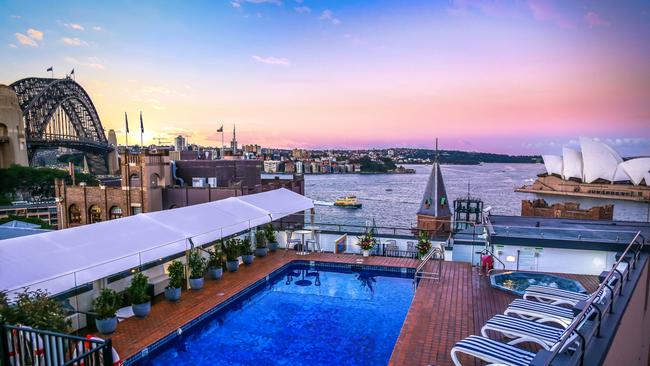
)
(569, 210)
(596, 171)
(272, 166)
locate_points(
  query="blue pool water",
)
(518, 282)
(301, 316)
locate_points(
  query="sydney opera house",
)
(596, 170)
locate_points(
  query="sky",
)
(519, 77)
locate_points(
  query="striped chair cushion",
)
(547, 334)
(546, 290)
(495, 352)
(538, 307)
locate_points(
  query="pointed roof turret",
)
(434, 201)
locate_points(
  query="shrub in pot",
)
(176, 273)
(247, 255)
(197, 265)
(215, 264)
(261, 250)
(232, 252)
(140, 300)
(105, 307)
(270, 238)
(424, 244)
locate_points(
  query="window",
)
(136, 210)
(134, 180)
(154, 180)
(94, 214)
(115, 213)
(74, 214)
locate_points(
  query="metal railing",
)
(588, 306)
(437, 253)
(20, 345)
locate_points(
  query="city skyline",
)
(505, 77)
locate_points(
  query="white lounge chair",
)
(554, 296)
(540, 312)
(491, 351)
(522, 330)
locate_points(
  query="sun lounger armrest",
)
(542, 358)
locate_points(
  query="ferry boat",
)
(348, 201)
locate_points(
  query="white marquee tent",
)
(60, 260)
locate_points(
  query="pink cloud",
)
(594, 20)
(545, 11)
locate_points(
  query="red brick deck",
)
(441, 313)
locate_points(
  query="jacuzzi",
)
(518, 282)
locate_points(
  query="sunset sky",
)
(499, 76)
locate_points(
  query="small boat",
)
(389, 189)
(348, 201)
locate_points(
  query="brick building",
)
(154, 182)
(566, 210)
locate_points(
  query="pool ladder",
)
(438, 255)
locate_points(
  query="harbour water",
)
(393, 199)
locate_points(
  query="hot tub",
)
(518, 282)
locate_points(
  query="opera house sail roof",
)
(597, 161)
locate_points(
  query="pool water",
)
(302, 316)
(518, 282)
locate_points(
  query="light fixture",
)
(510, 258)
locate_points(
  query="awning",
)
(57, 261)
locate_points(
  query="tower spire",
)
(436, 156)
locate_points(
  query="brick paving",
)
(441, 313)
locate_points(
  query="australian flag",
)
(220, 129)
(141, 123)
(126, 121)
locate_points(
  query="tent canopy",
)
(60, 260)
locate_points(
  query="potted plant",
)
(197, 265)
(140, 300)
(424, 244)
(105, 307)
(261, 250)
(270, 238)
(232, 252)
(246, 251)
(215, 265)
(366, 243)
(176, 271)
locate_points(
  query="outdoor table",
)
(302, 233)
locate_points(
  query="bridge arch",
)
(60, 113)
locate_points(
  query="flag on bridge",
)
(141, 123)
(72, 72)
(220, 129)
(126, 121)
(49, 69)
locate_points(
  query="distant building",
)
(179, 143)
(45, 211)
(567, 210)
(272, 166)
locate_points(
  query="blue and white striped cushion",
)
(496, 351)
(546, 290)
(538, 307)
(547, 334)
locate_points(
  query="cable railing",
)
(590, 305)
(20, 345)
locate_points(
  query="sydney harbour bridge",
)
(59, 113)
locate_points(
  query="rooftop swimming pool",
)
(302, 314)
(518, 282)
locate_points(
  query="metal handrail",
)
(566, 336)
